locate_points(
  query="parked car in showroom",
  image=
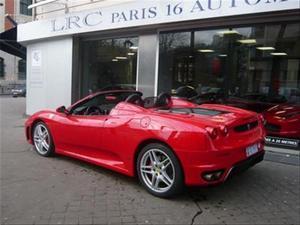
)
(19, 91)
(255, 101)
(282, 116)
(283, 121)
(166, 142)
(210, 95)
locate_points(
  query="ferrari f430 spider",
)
(166, 142)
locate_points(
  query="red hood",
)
(283, 111)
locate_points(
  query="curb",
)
(282, 150)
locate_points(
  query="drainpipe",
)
(34, 11)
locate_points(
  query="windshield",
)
(103, 101)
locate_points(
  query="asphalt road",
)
(59, 190)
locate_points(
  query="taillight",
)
(213, 132)
(224, 130)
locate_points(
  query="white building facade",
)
(227, 48)
(12, 68)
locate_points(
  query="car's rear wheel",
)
(42, 140)
(159, 170)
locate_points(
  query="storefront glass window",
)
(233, 65)
(24, 7)
(22, 69)
(1, 68)
(109, 64)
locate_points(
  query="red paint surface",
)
(113, 140)
(287, 118)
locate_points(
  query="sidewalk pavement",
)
(60, 190)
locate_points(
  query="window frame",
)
(89, 38)
(22, 74)
(2, 68)
(225, 26)
(24, 7)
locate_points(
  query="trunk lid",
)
(213, 115)
(244, 128)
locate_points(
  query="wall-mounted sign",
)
(140, 13)
(36, 58)
(36, 76)
(282, 141)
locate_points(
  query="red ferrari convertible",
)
(283, 121)
(166, 142)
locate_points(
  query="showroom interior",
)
(252, 66)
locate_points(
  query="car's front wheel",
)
(159, 170)
(42, 140)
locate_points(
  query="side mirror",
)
(62, 109)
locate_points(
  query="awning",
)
(9, 44)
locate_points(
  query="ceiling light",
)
(222, 55)
(121, 57)
(247, 41)
(228, 32)
(134, 47)
(205, 50)
(130, 53)
(278, 53)
(266, 48)
(114, 60)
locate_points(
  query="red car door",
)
(79, 134)
(91, 132)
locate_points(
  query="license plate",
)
(251, 150)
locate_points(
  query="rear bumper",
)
(16, 94)
(245, 164)
(196, 165)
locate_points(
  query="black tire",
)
(176, 186)
(49, 140)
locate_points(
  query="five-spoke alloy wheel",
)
(42, 139)
(159, 170)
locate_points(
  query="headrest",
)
(163, 99)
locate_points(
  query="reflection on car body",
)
(281, 114)
(165, 141)
(283, 121)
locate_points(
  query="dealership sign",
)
(282, 141)
(142, 13)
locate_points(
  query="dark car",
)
(19, 91)
(209, 95)
(255, 101)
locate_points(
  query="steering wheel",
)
(163, 99)
(93, 110)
